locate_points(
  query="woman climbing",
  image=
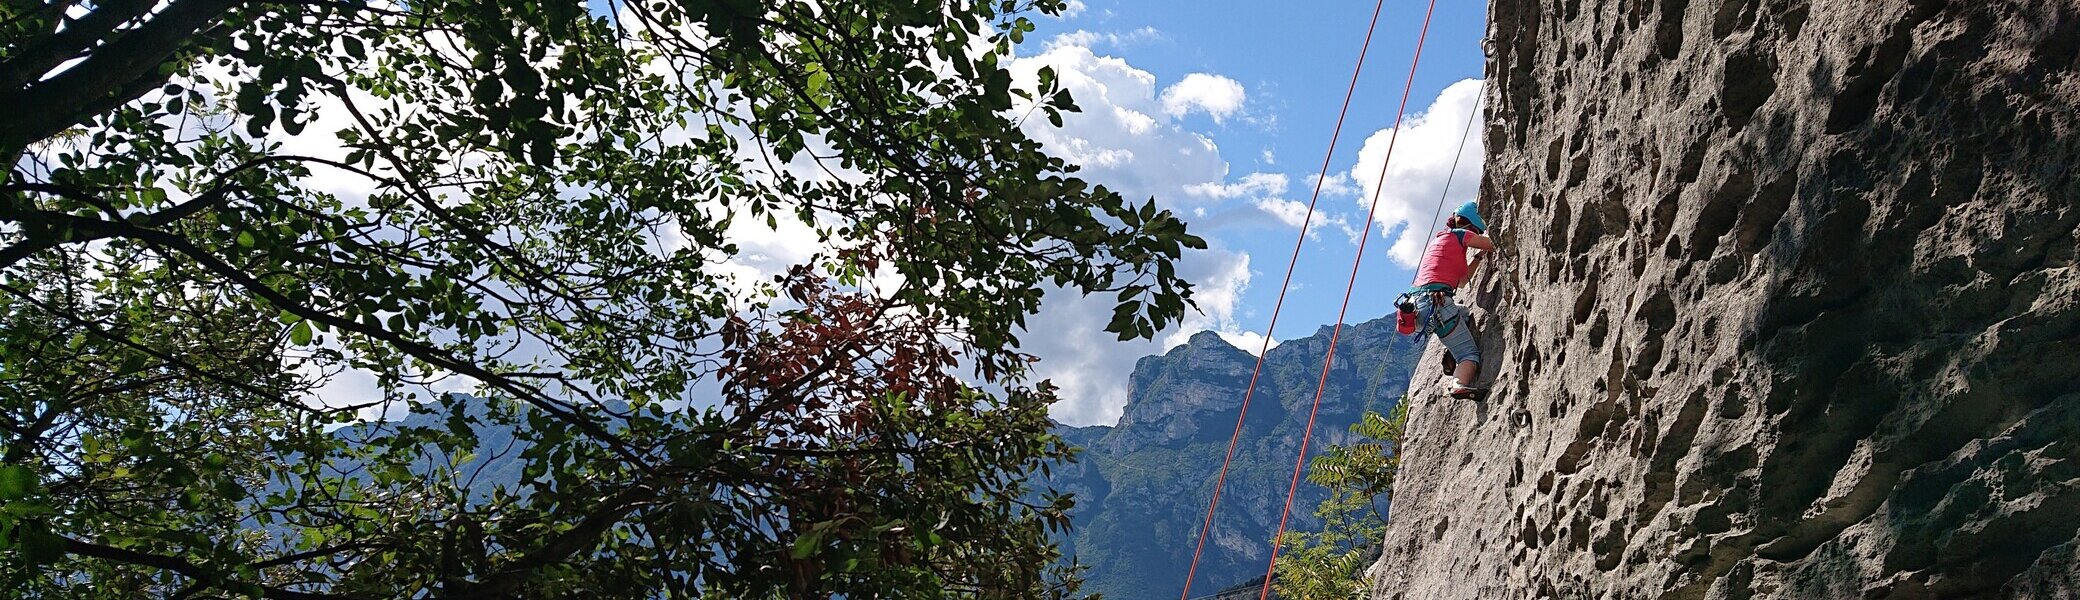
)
(1443, 270)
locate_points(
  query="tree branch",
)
(415, 348)
(214, 196)
(579, 537)
(317, 553)
(182, 566)
(169, 359)
(112, 75)
(77, 37)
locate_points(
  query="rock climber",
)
(1444, 268)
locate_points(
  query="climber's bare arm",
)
(1479, 242)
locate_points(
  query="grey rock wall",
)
(1787, 309)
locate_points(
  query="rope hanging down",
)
(1258, 370)
(1300, 460)
(1478, 99)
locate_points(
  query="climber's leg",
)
(1467, 371)
(1457, 337)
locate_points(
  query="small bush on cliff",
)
(1328, 565)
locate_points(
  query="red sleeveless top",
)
(1444, 261)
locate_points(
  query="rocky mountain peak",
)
(1143, 484)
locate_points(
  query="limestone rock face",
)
(1786, 308)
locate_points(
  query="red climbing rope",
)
(1300, 461)
(1251, 391)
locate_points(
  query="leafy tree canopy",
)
(539, 200)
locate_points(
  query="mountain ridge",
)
(1142, 485)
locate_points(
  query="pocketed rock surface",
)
(1786, 309)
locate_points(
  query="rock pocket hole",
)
(1750, 78)
(1668, 35)
(1585, 303)
(1556, 234)
(1720, 212)
(1764, 212)
(1734, 15)
(1872, 69)
(1665, 215)
(1553, 159)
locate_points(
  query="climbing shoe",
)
(1466, 392)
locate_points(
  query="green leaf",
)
(230, 490)
(819, 80)
(488, 91)
(16, 482)
(39, 546)
(300, 333)
(807, 543)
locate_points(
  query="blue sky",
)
(1222, 110)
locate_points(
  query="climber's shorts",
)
(1448, 322)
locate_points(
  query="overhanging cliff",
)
(1786, 308)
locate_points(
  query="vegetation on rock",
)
(1330, 564)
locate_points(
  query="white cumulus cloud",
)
(1128, 139)
(1253, 184)
(1214, 95)
(1091, 39)
(1335, 185)
(1423, 166)
(1293, 214)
